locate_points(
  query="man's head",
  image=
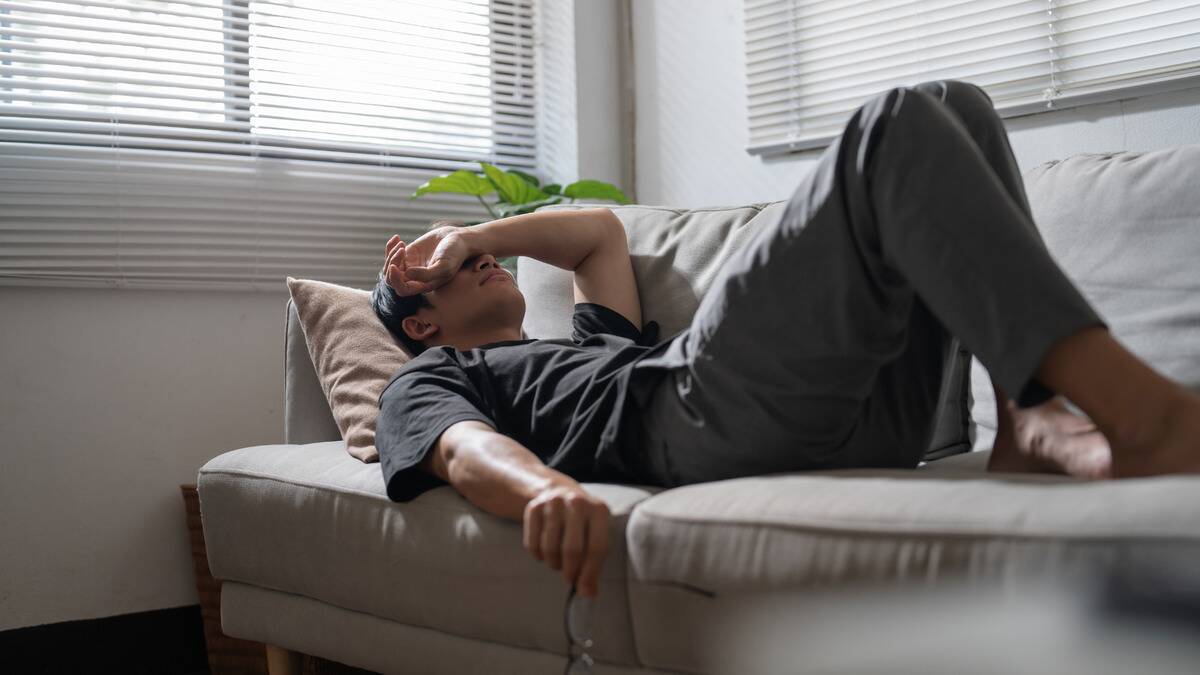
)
(469, 310)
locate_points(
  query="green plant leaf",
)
(528, 177)
(510, 263)
(511, 187)
(506, 210)
(463, 181)
(552, 189)
(594, 189)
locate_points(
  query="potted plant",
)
(517, 191)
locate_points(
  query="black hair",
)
(392, 308)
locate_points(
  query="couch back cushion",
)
(307, 417)
(677, 254)
(1125, 227)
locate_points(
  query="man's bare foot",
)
(1049, 438)
(1168, 442)
(1151, 422)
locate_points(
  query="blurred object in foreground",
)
(1138, 618)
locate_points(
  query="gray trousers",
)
(824, 341)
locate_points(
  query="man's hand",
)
(428, 262)
(567, 528)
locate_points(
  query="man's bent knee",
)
(967, 99)
(904, 111)
(957, 89)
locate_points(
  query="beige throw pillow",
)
(354, 355)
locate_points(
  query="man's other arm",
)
(564, 526)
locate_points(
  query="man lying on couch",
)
(822, 344)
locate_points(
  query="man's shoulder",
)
(432, 359)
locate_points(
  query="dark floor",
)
(160, 642)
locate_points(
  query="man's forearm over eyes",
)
(560, 238)
(493, 471)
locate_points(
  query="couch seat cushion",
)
(946, 517)
(312, 520)
(696, 552)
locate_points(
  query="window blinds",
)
(231, 143)
(811, 63)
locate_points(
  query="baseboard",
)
(159, 642)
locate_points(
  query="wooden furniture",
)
(226, 655)
(233, 656)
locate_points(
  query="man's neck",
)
(474, 340)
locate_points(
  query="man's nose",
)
(485, 260)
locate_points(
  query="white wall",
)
(109, 400)
(598, 90)
(691, 115)
(580, 109)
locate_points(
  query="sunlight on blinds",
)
(109, 60)
(395, 74)
(343, 76)
(234, 142)
(811, 63)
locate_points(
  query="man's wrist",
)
(476, 240)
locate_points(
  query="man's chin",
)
(504, 306)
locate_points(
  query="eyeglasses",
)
(577, 622)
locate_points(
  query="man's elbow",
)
(611, 225)
(608, 238)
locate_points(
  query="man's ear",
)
(418, 329)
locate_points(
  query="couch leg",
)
(282, 661)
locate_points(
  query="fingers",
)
(588, 583)
(389, 257)
(395, 246)
(533, 530)
(569, 533)
(436, 268)
(397, 273)
(552, 530)
(574, 538)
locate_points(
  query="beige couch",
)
(317, 560)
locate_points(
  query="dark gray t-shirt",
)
(567, 400)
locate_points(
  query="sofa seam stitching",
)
(877, 530)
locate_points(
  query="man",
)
(822, 344)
